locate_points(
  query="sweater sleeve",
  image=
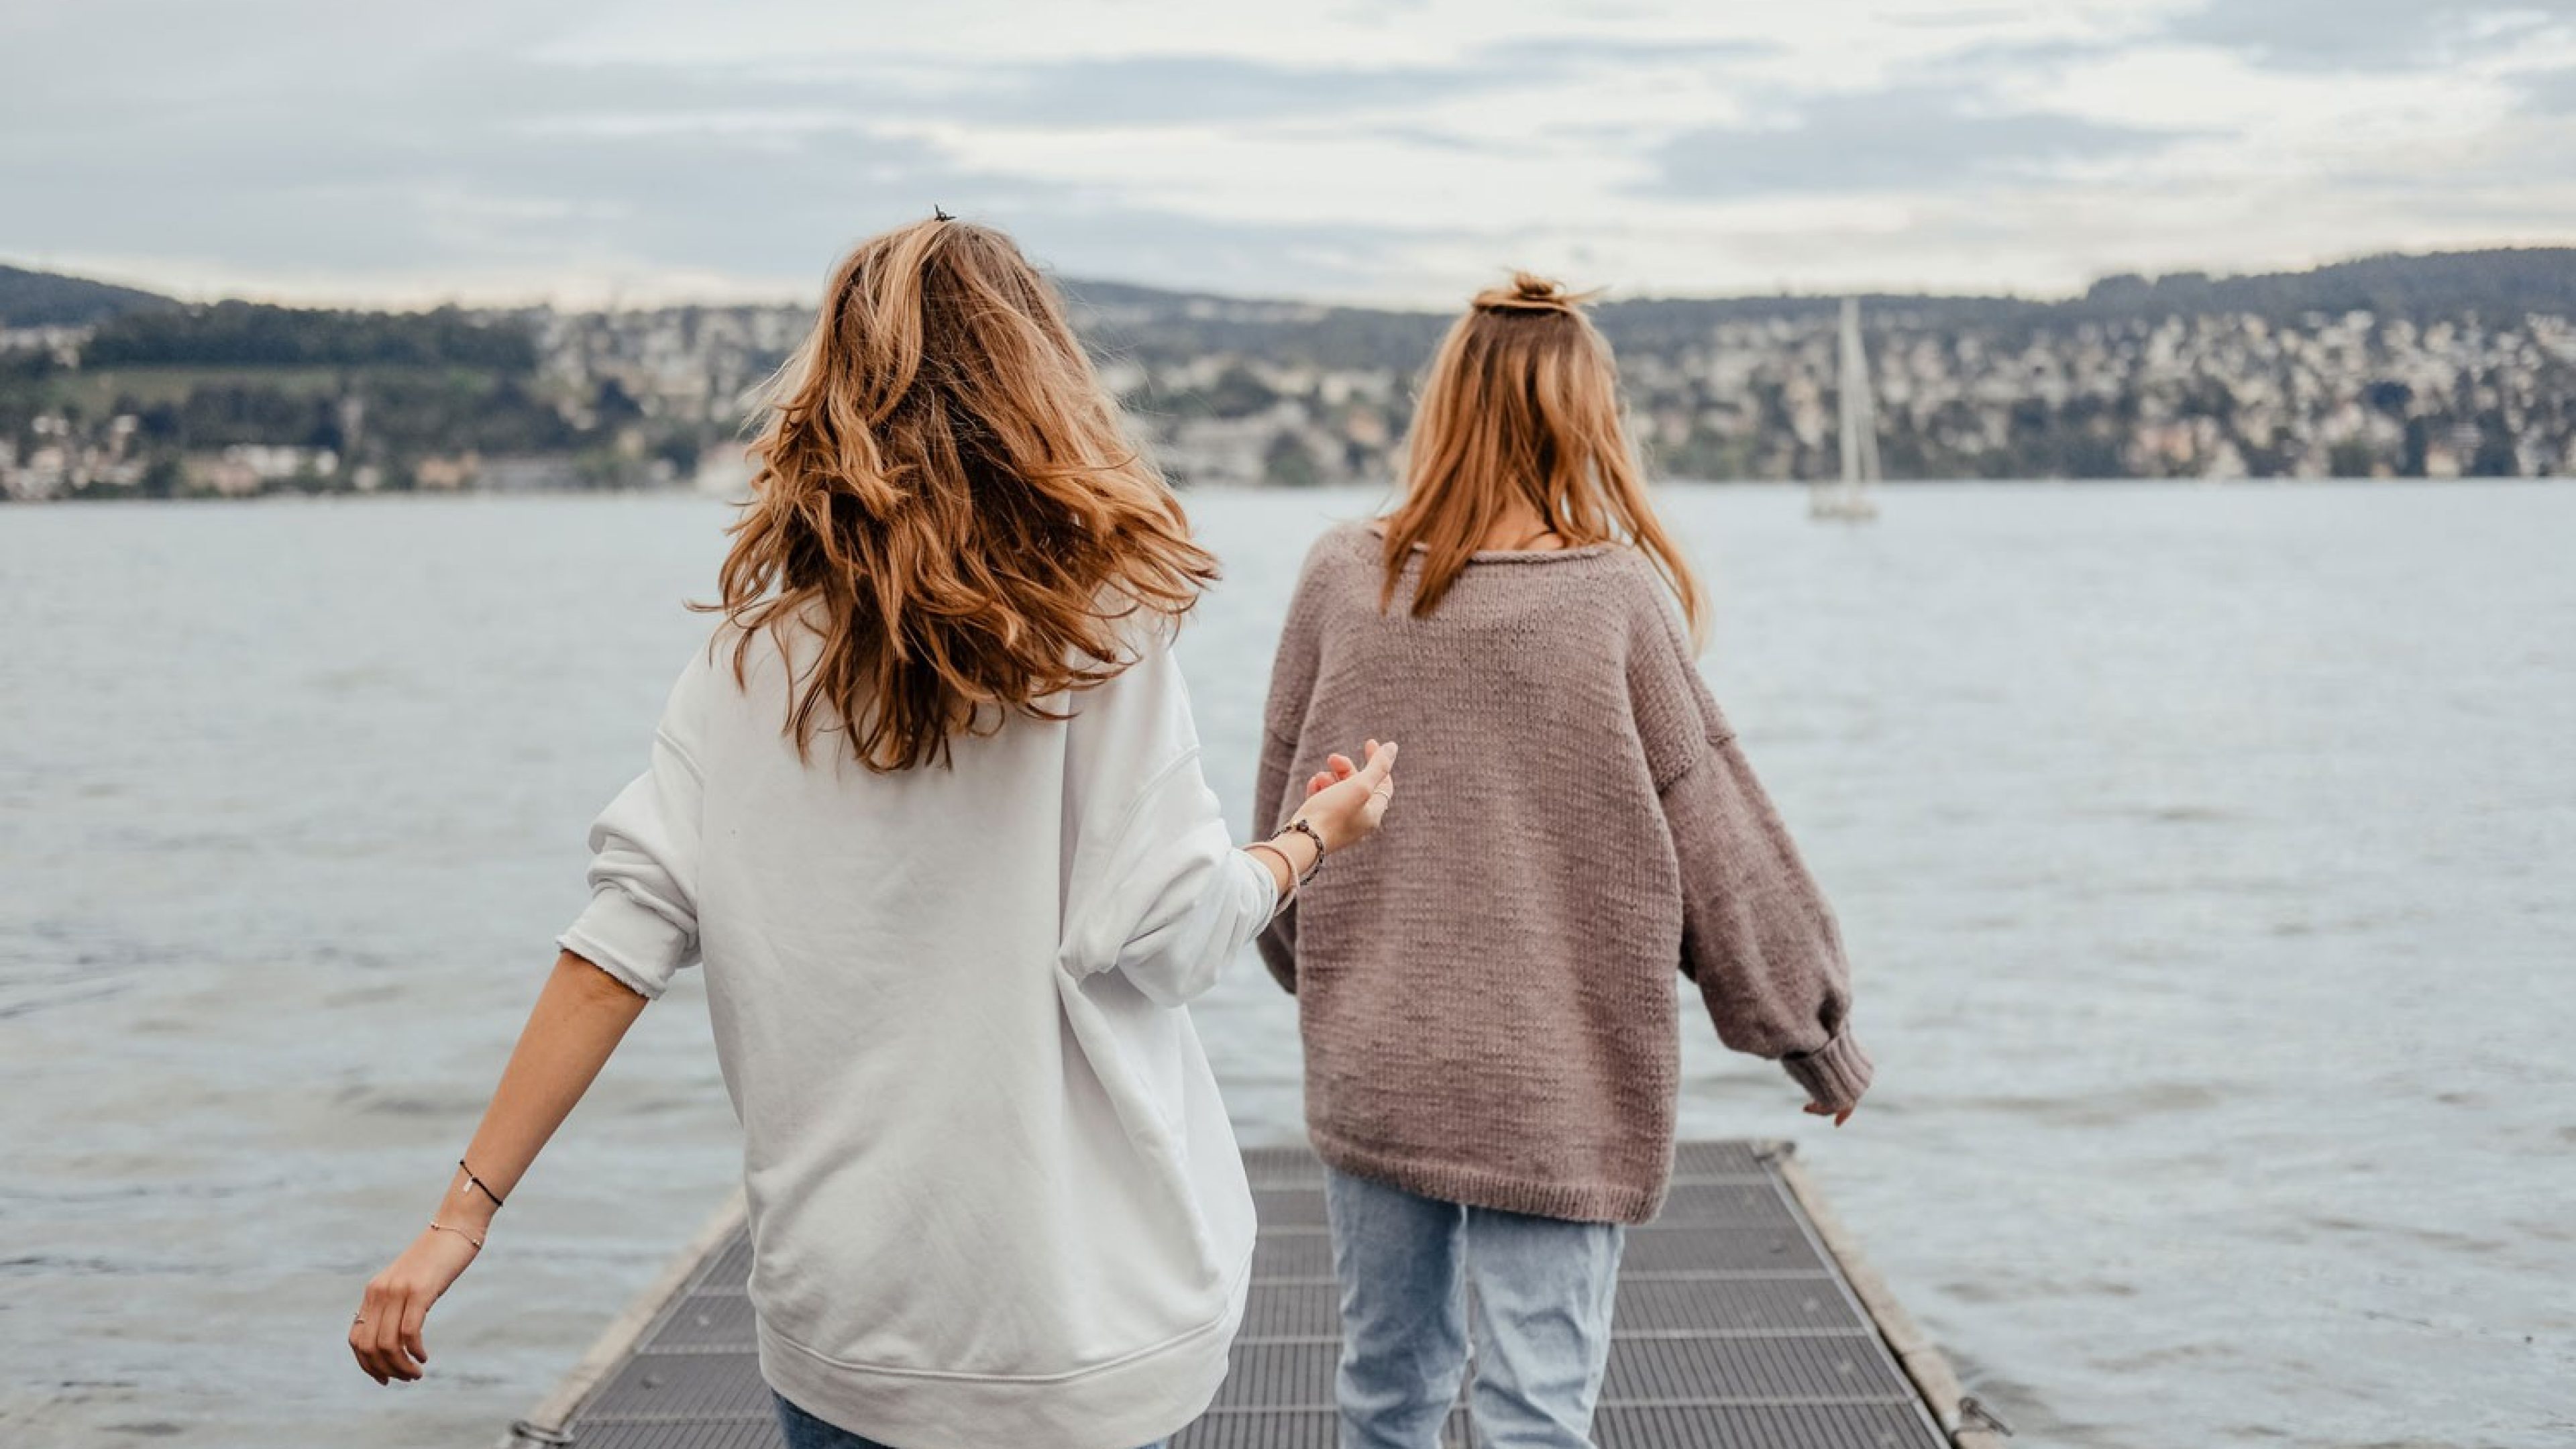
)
(642, 922)
(1758, 939)
(1157, 889)
(1292, 688)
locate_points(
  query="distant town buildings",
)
(2217, 396)
(1226, 394)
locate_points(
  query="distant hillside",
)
(2436, 366)
(49, 299)
(254, 334)
(2500, 284)
(1156, 327)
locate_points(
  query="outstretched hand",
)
(386, 1335)
(1346, 801)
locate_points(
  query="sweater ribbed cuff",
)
(1835, 1074)
(628, 940)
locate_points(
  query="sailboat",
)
(1854, 496)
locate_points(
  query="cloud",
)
(2550, 92)
(1555, 53)
(2366, 35)
(602, 179)
(1912, 138)
(1200, 89)
(1091, 92)
(1393, 153)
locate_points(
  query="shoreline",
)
(1890, 487)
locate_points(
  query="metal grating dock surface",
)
(1737, 1328)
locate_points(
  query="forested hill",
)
(2498, 285)
(251, 334)
(48, 299)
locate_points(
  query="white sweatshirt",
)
(994, 1196)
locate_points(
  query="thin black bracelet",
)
(479, 1185)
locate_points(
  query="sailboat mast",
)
(1854, 379)
(1850, 498)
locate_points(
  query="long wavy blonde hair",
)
(942, 492)
(1522, 405)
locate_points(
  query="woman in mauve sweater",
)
(1488, 1001)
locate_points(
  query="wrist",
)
(468, 1202)
(467, 1211)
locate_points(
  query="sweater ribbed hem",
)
(1138, 1399)
(1591, 1202)
(1835, 1074)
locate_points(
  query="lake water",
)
(2205, 856)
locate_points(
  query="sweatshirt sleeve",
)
(1157, 889)
(1292, 689)
(642, 922)
(1278, 940)
(1758, 938)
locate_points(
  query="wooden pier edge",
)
(544, 1424)
(1915, 1351)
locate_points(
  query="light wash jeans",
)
(804, 1431)
(1544, 1289)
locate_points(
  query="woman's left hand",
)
(386, 1335)
(1345, 803)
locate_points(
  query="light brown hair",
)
(943, 494)
(1522, 404)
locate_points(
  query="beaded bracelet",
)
(1301, 826)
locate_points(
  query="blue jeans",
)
(804, 1431)
(1544, 1289)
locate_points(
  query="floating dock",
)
(1746, 1320)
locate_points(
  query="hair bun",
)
(1530, 292)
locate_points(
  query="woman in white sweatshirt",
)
(928, 808)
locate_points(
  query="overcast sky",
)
(1381, 151)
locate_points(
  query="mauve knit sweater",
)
(1486, 988)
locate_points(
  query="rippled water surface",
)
(2206, 856)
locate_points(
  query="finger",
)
(362, 1333)
(1843, 1116)
(388, 1327)
(1381, 761)
(398, 1313)
(415, 1317)
(1381, 795)
(1343, 769)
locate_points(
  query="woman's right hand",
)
(1346, 802)
(386, 1334)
